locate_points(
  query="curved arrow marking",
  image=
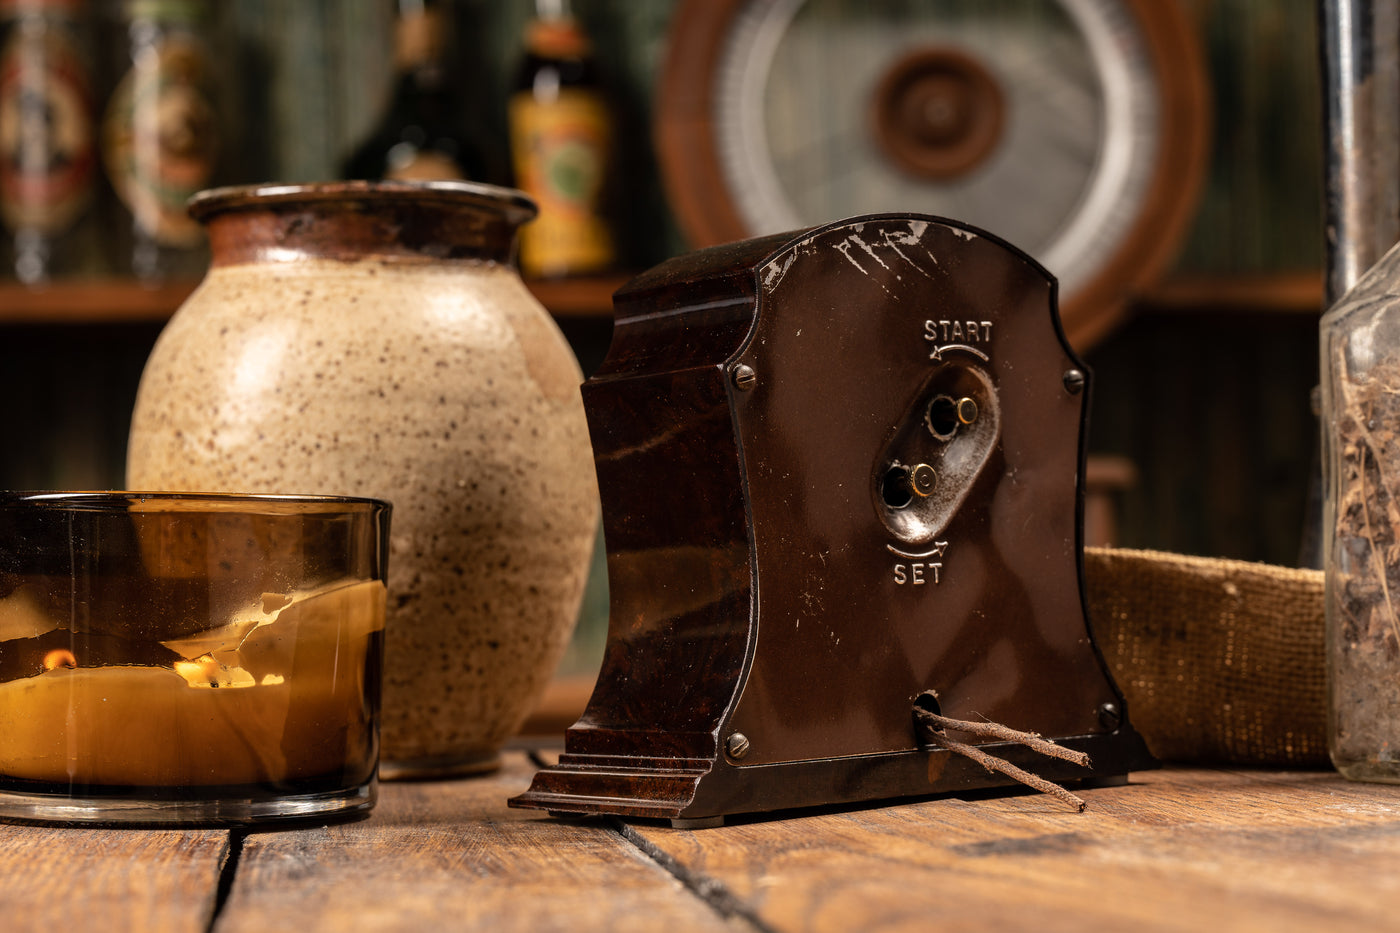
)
(938, 548)
(937, 354)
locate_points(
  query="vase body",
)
(1360, 369)
(376, 340)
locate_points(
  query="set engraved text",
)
(919, 569)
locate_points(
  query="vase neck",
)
(350, 221)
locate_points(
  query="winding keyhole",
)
(946, 414)
(895, 487)
(938, 448)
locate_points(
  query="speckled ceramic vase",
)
(376, 340)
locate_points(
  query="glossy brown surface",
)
(772, 581)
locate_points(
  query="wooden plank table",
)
(1177, 849)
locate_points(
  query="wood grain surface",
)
(141, 880)
(1174, 850)
(449, 856)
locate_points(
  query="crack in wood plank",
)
(228, 871)
(710, 890)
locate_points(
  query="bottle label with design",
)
(560, 150)
(47, 146)
(159, 138)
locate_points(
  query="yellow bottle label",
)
(47, 147)
(561, 150)
(159, 139)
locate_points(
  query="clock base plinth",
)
(581, 785)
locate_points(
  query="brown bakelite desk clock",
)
(840, 473)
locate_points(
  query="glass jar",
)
(1360, 379)
(189, 658)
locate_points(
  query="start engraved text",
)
(958, 331)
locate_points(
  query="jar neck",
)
(349, 221)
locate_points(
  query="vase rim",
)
(516, 205)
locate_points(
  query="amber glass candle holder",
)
(189, 658)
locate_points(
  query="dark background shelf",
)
(116, 301)
(1205, 388)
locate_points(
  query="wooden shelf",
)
(100, 301)
(586, 297)
(1274, 293)
(119, 301)
(95, 301)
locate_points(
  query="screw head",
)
(737, 745)
(1074, 381)
(1110, 716)
(743, 377)
(922, 480)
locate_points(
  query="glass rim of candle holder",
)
(192, 658)
(99, 498)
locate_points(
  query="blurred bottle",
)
(48, 155)
(561, 148)
(160, 137)
(422, 134)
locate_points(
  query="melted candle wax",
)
(276, 694)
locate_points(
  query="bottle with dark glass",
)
(561, 148)
(422, 135)
(160, 136)
(48, 153)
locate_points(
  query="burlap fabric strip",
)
(1220, 661)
